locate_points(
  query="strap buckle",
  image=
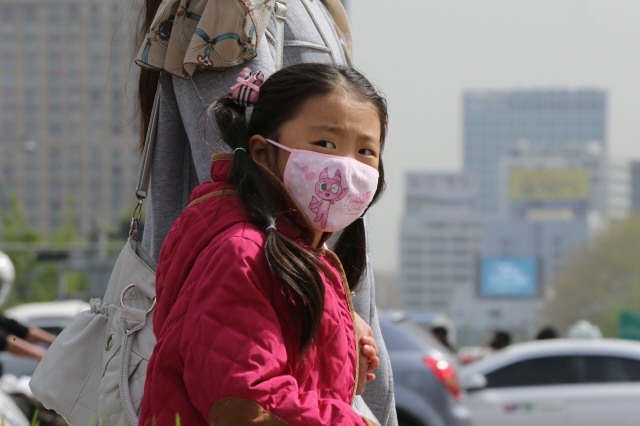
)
(131, 287)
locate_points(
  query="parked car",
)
(424, 373)
(556, 382)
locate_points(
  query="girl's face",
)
(335, 124)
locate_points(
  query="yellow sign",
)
(549, 185)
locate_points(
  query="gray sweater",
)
(187, 138)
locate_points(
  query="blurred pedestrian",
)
(442, 334)
(500, 340)
(17, 338)
(190, 76)
(583, 329)
(547, 333)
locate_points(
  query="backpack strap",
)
(280, 10)
(144, 175)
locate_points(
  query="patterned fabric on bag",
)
(187, 35)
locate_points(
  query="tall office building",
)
(496, 121)
(67, 88)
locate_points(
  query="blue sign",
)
(509, 277)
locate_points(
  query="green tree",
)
(599, 280)
(35, 280)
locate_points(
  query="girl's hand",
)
(368, 356)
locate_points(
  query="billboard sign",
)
(509, 277)
(549, 188)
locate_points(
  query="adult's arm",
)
(246, 357)
(379, 394)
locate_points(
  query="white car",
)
(50, 316)
(558, 382)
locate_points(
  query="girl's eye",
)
(334, 188)
(365, 151)
(326, 144)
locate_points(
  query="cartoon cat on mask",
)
(329, 190)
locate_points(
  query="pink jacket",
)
(227, 346)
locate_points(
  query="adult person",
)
(17, 338)
(442, 334)
(199, 47)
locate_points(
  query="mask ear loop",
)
(279, 145)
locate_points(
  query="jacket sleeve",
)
(234, 351)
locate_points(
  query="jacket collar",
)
(293, 223)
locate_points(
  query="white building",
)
(440, 241)
(563, 182)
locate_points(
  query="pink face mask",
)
(332, 191)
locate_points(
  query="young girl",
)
(254, 321)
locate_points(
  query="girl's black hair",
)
(281, 97)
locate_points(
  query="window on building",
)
(30, 27)
(31, 79)
(54, 79)
(7, 28)
(54, 153)
(8, 115)
(74, 172)
(54, 129)
(54, 11)
(30, 45)
(74, 114)
(74, 153)
(31, 96)
(8, 61)
(8, 44)
(31, 206)
(8, 96)
(32, 129)
(7, 79)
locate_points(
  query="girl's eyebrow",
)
(332, 128)
(327, 128)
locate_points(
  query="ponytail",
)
(296, 268)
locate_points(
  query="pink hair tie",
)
(245, 92)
